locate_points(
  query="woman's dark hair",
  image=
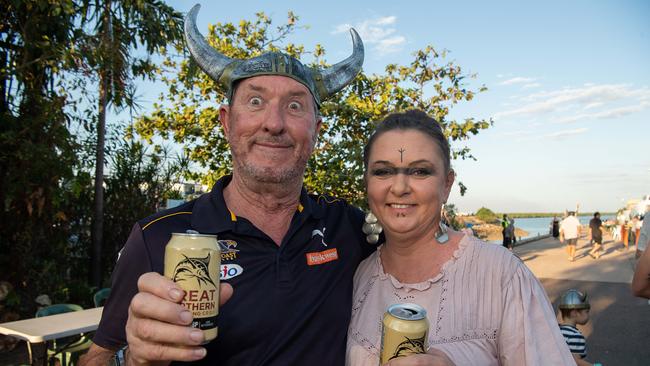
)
(415, 120)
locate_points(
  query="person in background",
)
(507, 239)
(555, 227)
(511, 233)
(569, 233)
(596, 233)
(574, 308)
(633, 230)
(637, 230)
(641, 279)
(294, 254)
(623, 222)
(484, 306)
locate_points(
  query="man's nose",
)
(275, 121)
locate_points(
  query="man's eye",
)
(295, 106)
(255, 101)
(382, 172)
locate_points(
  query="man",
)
(289, 256)
(511, 232)
(507, 239)
(596, 230)
(569, 232)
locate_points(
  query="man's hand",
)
(433, 357)
(157, 329)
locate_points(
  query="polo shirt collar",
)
(210, 214)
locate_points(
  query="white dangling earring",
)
(372, 228)
(441, 235)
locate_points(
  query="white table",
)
(42, 329)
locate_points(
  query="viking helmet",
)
(322, 83)
(574, 299)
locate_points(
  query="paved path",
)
(619, 330)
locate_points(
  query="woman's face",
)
(406, 182)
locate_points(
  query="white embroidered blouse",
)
(485, 307)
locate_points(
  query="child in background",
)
(574, 307)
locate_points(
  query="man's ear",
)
(319, 124)
(224, 117)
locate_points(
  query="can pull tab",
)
(190, 231)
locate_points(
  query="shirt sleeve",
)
(529, 333)
(132, 262)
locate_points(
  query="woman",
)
(484, 306)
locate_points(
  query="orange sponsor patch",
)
(325, 256)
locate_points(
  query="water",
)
(542, 225)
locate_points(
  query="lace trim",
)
(490, 334)
(425, 285)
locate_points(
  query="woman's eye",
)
(420, 172)
(382, 172)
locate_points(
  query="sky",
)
(568, 87)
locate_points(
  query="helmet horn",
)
(209, 60)
(339, 75)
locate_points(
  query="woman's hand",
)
(433, 357)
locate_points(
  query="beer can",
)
(193, 261)
(404, 331)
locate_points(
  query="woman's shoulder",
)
(490, 258)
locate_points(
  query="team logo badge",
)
(228, 249)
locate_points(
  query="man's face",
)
(272, 127)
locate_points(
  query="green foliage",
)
(137, 186)
(49, 51)
(449, 214)
(188, 112)
(486, 215)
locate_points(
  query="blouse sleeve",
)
(529, 333)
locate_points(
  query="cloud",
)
(517, 80)
(606, 101)
(378, 32)
(531, 85)
(565, 133)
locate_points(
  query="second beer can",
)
(404, 331)
(193, 261)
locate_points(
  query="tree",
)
(139, 183)
(49, 53)
(37, 151)
(486, 215)
(188, 113)
(123, 28)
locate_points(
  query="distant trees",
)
(486, 215)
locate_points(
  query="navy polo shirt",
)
(291, 303)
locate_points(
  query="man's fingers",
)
(225, 292)
(145, 353)
(145, 305)
(161, 286)
(152, 331)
